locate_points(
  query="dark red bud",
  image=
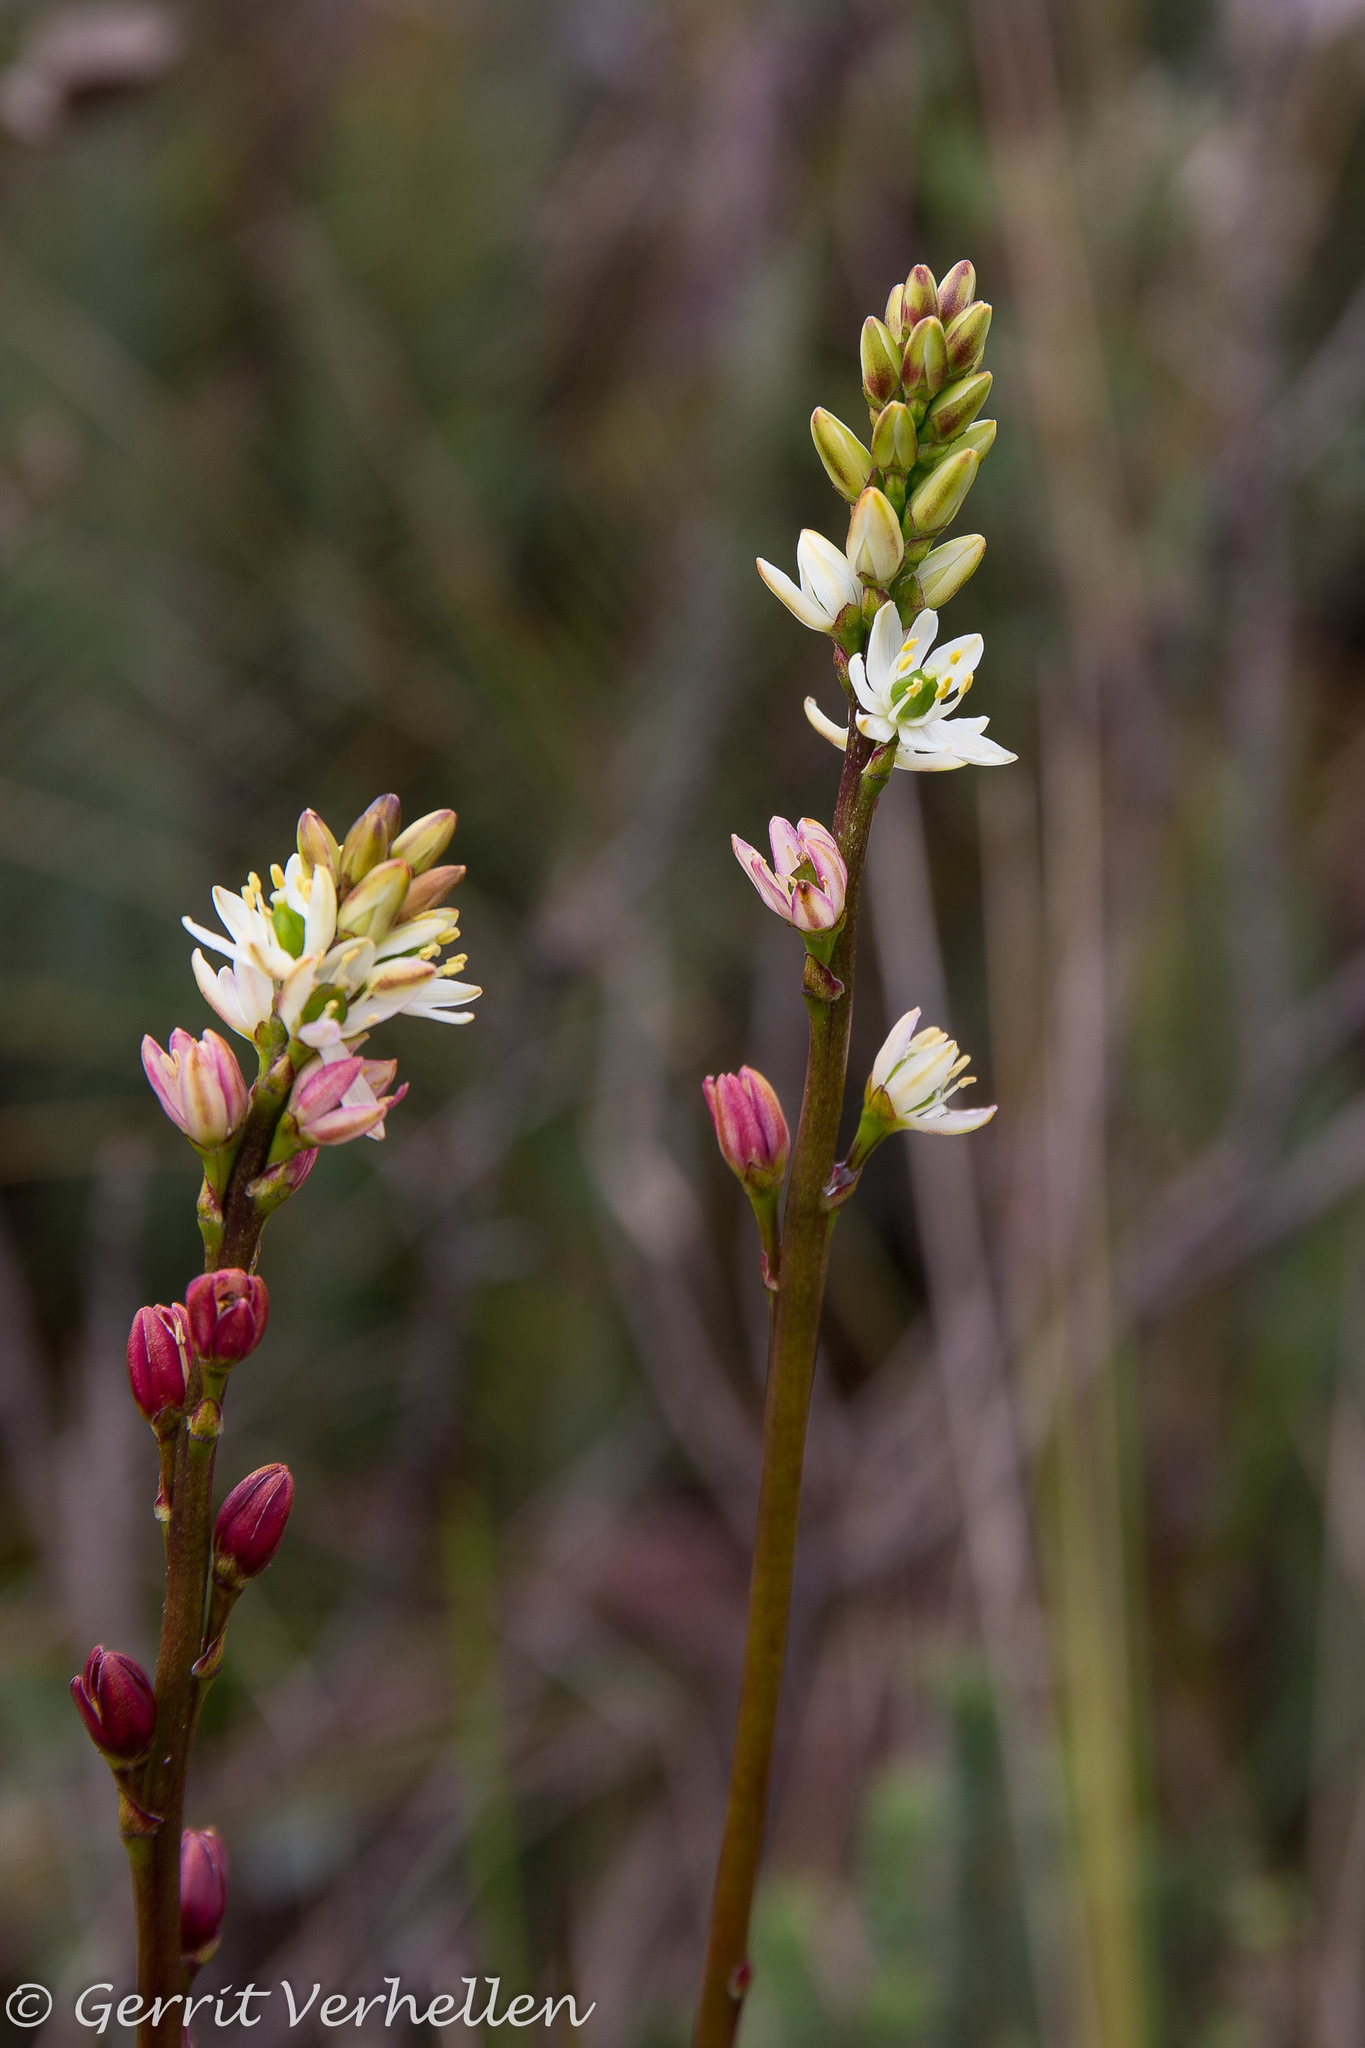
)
(158, 1358)
(115, 1700)
(250, 1524)
(227, 1313)
(203, 1891)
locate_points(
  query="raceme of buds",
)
(425, 840)
(895, 443)
(808, 880)
(957, 290)
(115, 1700)
(957, 405)
(159, 1359)
(750, 1128)
(939, 498)
(227, 1314)
(334, 1101)
(944, 570)
(368, 841)
(250, 1525)
(848, 464)
(203, 1892)
(881, 362)
(876, 547)
(199, 1085)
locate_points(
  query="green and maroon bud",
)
(250, 1525)
(848, 464)
(317, 845)
(895, 444)
(115, 1700)
(227, 1314)
(965, 337)
(203, 1892)
(428, 890)
(368, 910)
(881, 362)
(957, 290)
(159, 1359)
(425, 840)
(369, 840)
(939, 498)
(920, 299)
(957, 405)
(926, 358)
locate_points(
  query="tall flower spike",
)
(807, 882)
(199, 1085)
(908, 694)
(830, 593)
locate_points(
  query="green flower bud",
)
(921, 296)
(425, 840)
(367, 842)
(374, 903)
(875, 548)
(847, 463)
(944, 570)
(939, 498)
(926, 357)
(966, 336)
(957, 290)
(881, 362)
(317, 846)
(894, 441)
(957, 406)
(895, 314)
(979, 437)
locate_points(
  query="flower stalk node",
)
(818, 983)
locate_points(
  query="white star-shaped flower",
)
(908, 693)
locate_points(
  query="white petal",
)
(213, 939)
(837, 735)
(805, 608)
(825, 573)
(898, 1041)
(320, 919)
(960, 657)
(293, 885)
(952, 1123)
(220, 992)
(416, 933)
(927, 764)
(870, 699)
(968, 742)
(297, 987)
(883, 646)
(917, 643)
(879, 729)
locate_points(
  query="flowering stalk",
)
(351, 933)
(872, 599)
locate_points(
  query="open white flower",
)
(828, 583)
(908, 693)
(913, 1077)
(301, 956)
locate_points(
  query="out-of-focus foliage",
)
(396, 398)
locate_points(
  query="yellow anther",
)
(277, 874)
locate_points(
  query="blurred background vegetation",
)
(394, 395)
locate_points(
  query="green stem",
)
(807, 1223)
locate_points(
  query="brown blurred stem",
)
(806, 1226)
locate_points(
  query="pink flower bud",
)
(334, 1100)
(808, 880)
(159, 1358)
(115, 1700)
(227, 1313)
(203, 1891)
(250, 1525)
(750, 1128)
(199, 1085)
